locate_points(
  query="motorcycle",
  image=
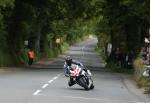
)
(146, 73)
(81, 77)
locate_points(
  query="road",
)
(44, 82)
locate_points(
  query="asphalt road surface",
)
(44, 82)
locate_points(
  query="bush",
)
(138, 68)
(147, 87)
(115, 68)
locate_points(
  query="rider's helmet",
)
(68, 60)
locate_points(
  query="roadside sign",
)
(57, 40)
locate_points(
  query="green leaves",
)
(40, 21)
(6, 3)
(124, 21)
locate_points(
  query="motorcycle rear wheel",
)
(92, 86)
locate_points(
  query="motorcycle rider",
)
(67, 66)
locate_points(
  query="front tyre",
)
(71, 82)
(83, 83)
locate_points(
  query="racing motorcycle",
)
(146, 73)
(81, 77)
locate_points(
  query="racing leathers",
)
(67, 70)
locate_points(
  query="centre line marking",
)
(50, 81)
(45, 85)
(59, 74)
(36, 93)
(55, 78)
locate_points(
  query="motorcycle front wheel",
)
(83, 82)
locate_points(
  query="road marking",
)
(96, 99)
(59, 74)
(50, 81)
(36, 93)
(55, 77)
(44, 86)
(83, 51)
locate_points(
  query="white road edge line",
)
(100, 99)
(44, 86)
(96, 99)
(36, 93)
